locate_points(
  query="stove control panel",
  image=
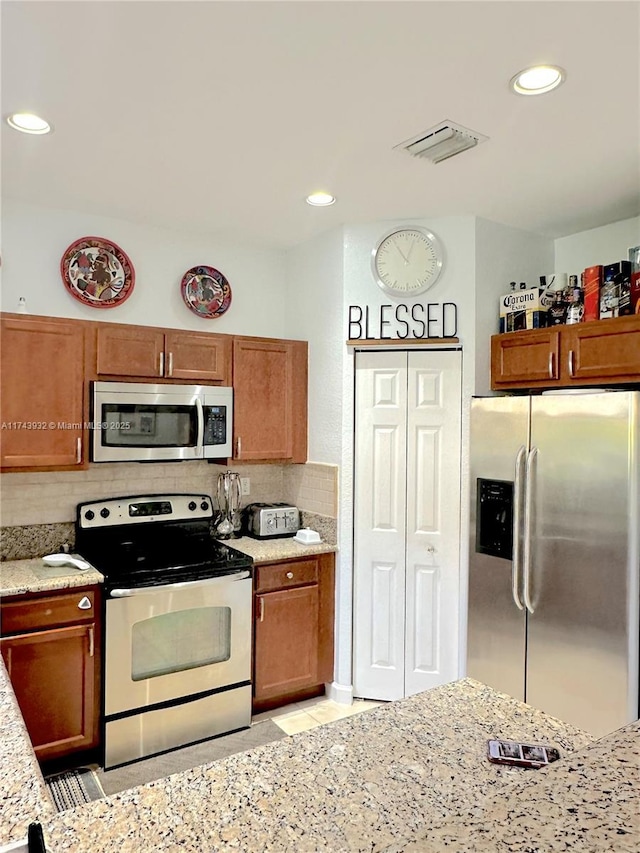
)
(143, 508)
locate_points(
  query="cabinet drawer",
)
(284, 575)
(38, 613)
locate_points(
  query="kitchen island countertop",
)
(386, 779)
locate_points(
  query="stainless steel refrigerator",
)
(554, 553)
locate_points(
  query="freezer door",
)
(496, 625)
(582, 663)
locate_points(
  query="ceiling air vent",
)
(442, 141)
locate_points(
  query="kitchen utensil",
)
(229, 505)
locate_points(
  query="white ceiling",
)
(220, 117)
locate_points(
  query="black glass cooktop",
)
(158, 554)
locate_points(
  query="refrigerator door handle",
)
(517, 509)
(528, 489)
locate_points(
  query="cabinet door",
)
(195, 357)
(130, 351)
(606, 351)
(270, 399)
(525, 359)
(286, 641)
(53, 675)
(42, 391)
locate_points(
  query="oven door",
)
(165, 643)
(142, 423)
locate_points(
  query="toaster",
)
(266, 521)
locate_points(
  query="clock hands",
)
(404, 257)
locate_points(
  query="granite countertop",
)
(387, 779)
(23, 794)
(21, 576)
(270, 550)
(588, 803)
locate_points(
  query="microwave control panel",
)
(215, 425)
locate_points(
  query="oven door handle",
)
(141, 590)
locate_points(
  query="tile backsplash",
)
(51, 497)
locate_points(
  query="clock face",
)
(407, 261)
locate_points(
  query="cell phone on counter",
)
(521, 754)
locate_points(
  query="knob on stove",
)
(104, 512)
(89, 515)
(204, 505)
(192, 505)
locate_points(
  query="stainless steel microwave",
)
(140, 422)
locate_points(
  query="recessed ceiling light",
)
(537, 80)
(28, 123)
(320, 199)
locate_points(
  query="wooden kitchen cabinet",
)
(293, 639)
(51, 649)
(602, 352)
(149, 353)
(42, 366)
(270, 399)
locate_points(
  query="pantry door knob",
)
(431, 549)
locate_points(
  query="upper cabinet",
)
(148, 353)
(605, 352)
(48, 364)
(42, 393)
(270, 399)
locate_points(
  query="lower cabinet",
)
(50, 646)
(294, 615)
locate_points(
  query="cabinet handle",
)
(170, 364)
(289, 575)
(78, 450)
(238, 447)
(91, 642)
(571, 373)
(161, 364)
(84, 603)
(552, 359)
(262, 609)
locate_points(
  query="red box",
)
(592, 283)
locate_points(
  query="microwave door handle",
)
(200, 415)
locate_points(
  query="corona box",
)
(522, 309)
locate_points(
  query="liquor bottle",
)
(557, 313)
(575, 311)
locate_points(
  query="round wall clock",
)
(407, 261)
(206, 292)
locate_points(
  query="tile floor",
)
(301, 716)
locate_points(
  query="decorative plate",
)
(97, 272)
(206, 291)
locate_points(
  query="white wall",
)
(502, 255)
(35, 238)
(605, 245)
(315, 306)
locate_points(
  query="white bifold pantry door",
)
(407, 521)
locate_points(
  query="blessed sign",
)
(417, 321)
